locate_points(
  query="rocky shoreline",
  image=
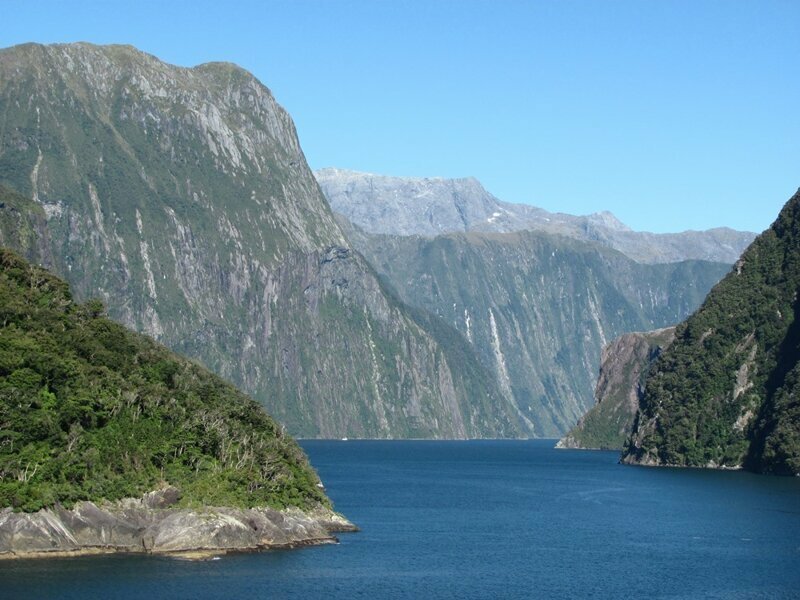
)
(150, 525)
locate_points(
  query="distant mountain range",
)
(537, 308)
(538, 295)
(381, 204)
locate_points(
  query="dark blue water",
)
(488, 520)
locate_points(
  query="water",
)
(489, 519)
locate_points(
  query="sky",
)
(672, 114)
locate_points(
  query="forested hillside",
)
(90, 410)
(727, 392)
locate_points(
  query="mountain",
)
(537, 308)
(181, 198)
(624, 364)
(727, 392)
(432, 206)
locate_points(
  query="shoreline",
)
(150, 526)
(197, 554)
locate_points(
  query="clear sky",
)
(674, 115)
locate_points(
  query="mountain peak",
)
(609, 220)
(409, 205)
(381, 204)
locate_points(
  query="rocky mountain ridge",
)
(181, 198)
(381, 204)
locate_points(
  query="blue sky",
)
(674, 115)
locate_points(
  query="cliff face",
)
(381, 204)
(727, 392)
(624, 363)
(23, 226)
(182, 199)
(537, 308)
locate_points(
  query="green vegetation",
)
(726, 392)
(602, 430)
(90, 410)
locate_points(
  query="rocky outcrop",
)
(623, 365)
(151, 525)
(433, 206)
(726, 393)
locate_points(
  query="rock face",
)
(623, 365)
(727, 392)
(537, 308)
(149, 525)
(23, 226)
(181, 198)
(432, 206)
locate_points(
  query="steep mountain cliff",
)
(432, 206)
(181, 198)
(624, 364)
(537, 308)
(727, 392)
